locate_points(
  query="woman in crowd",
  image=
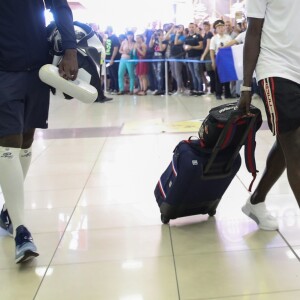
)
(141, 67)
(126, 50)
(176, 38)
(159, 48)
(206, 56)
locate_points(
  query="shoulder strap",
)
(250, 145)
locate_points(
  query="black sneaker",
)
(199, 93)
(104, 99)
(25, 248)
(158, 93)
(5, 221)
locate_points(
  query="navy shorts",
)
(24, 102)
(282, 102)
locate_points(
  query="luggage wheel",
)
(164, 219)
(212, 213)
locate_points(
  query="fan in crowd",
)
(190, 54)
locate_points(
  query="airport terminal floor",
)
(92, 212)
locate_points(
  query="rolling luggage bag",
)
(198, 175)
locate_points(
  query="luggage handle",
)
(233, 118)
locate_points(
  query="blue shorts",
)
(24, 102)
(282, 102)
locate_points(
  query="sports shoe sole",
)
(28, 255)
(256, 220)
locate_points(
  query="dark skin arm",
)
(68, 67)
(251, 53)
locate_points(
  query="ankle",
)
(254, 199)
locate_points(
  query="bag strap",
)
(250, 145)
(248, 140)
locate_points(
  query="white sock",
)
(12, 184)
(25, 159)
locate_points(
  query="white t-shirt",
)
(280, 41)
(241, 37)
(216, 41)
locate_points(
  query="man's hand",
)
(244, 103)
(68, 68)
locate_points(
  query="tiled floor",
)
(91, 209)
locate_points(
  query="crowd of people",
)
(135, 64)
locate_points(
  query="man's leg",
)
(193, 78)
(290, 144)
(115, 68)
(275, 166)
(199, 83)
(15, 159)
(218, 86)
(255, 207)
(12, 178)
(26, 151)
(178, 74)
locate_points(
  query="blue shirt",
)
(176, 50)
(23, 35)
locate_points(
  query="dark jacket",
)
(23, 37)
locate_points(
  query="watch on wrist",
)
(244, 88)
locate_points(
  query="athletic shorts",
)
(24, 102)
(282, 102)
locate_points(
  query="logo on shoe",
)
(26, 153)
(7, 155)
(195, 162)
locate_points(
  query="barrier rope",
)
(165, 60)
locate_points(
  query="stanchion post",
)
(166, 78)
(105, 76)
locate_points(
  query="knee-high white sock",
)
(12, 184)
(25, 159)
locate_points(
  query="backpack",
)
(89, 50)
(212, 126)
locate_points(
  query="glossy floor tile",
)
(152, 278)
(214, 275)
(90, 205)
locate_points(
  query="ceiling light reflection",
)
(291, 255)
(132, 265)
(132, 297)
(40, 271)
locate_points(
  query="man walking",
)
(274, 53)
(24, 100)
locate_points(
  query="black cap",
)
(218, 23)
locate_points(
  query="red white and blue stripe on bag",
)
(161, 188)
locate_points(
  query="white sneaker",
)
(260, 214)
(177, 94)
